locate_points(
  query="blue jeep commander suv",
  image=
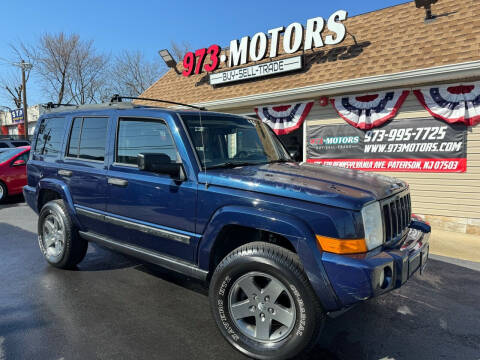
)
(217, 197)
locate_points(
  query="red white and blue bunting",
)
(369, 111)
(452, 103)
(284, 119)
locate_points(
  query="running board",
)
(168, 262)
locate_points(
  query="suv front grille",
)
(397, 212)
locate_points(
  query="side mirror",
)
(19, 163)
(161, 164)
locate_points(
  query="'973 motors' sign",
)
(417, 145)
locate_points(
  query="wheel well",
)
(234, 236)
(45, 196)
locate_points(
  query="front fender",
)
(62, 189)
(292, 228)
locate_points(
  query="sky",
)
(151, 25)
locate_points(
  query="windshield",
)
(8, 154)
(230, 141)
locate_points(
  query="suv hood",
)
(333, 186)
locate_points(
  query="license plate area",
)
(418, 261)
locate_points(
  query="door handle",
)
(66, 173)
(117, 182)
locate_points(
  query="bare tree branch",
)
(11, 82)
(131, 74)
(88, 74)
(179, 50)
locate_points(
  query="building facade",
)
(390, 75)
(11, 122)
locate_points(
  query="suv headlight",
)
(372, 225)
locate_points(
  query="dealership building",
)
(387, 91)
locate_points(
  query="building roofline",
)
(370, 83)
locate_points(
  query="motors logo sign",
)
(261, 45)
(335, 140)
(417, 145)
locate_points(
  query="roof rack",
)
(51, 105)
(54, 108)
(117, 98)
(116, 102)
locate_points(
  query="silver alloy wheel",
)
(53, 237)
(2, 194)
(262, 307)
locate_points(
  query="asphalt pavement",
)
(114, 307)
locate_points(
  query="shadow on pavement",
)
(12, 201)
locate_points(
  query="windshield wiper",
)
(230, 165)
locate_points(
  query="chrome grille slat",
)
(397, 212)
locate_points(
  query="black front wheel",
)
(264, 304)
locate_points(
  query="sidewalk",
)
(455, 245)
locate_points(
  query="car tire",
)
(58, 238)
(288, 313)
(3, 192)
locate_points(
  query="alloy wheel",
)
(261, 307)
(53, 237)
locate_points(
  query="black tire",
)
(3, 191)
(283, 266)
(74, 247)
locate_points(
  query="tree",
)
(87, 76)
(54, 56)
(13, 89)
(71, 69)
(179, 50)
(131, 73)
(11, 83)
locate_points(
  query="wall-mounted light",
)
(169, 60)
(427, 4)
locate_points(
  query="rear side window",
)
(87, 138)
(137, 136)
(3, 145)
(50, 136)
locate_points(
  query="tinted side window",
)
(20, 143)
(74, 143)
(87, 138)
(3, 145)
(24, 156)
(137, 136)
(50, 136)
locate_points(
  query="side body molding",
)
(292, 228)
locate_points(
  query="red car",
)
(13, 171)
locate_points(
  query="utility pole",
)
(24, 66)
(25, 107)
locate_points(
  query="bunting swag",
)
(283, 119)
(453, 104)
(369, 111)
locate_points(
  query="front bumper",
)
(359, 277)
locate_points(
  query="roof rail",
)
(51, 105)
(118, 98)
(55, 108)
